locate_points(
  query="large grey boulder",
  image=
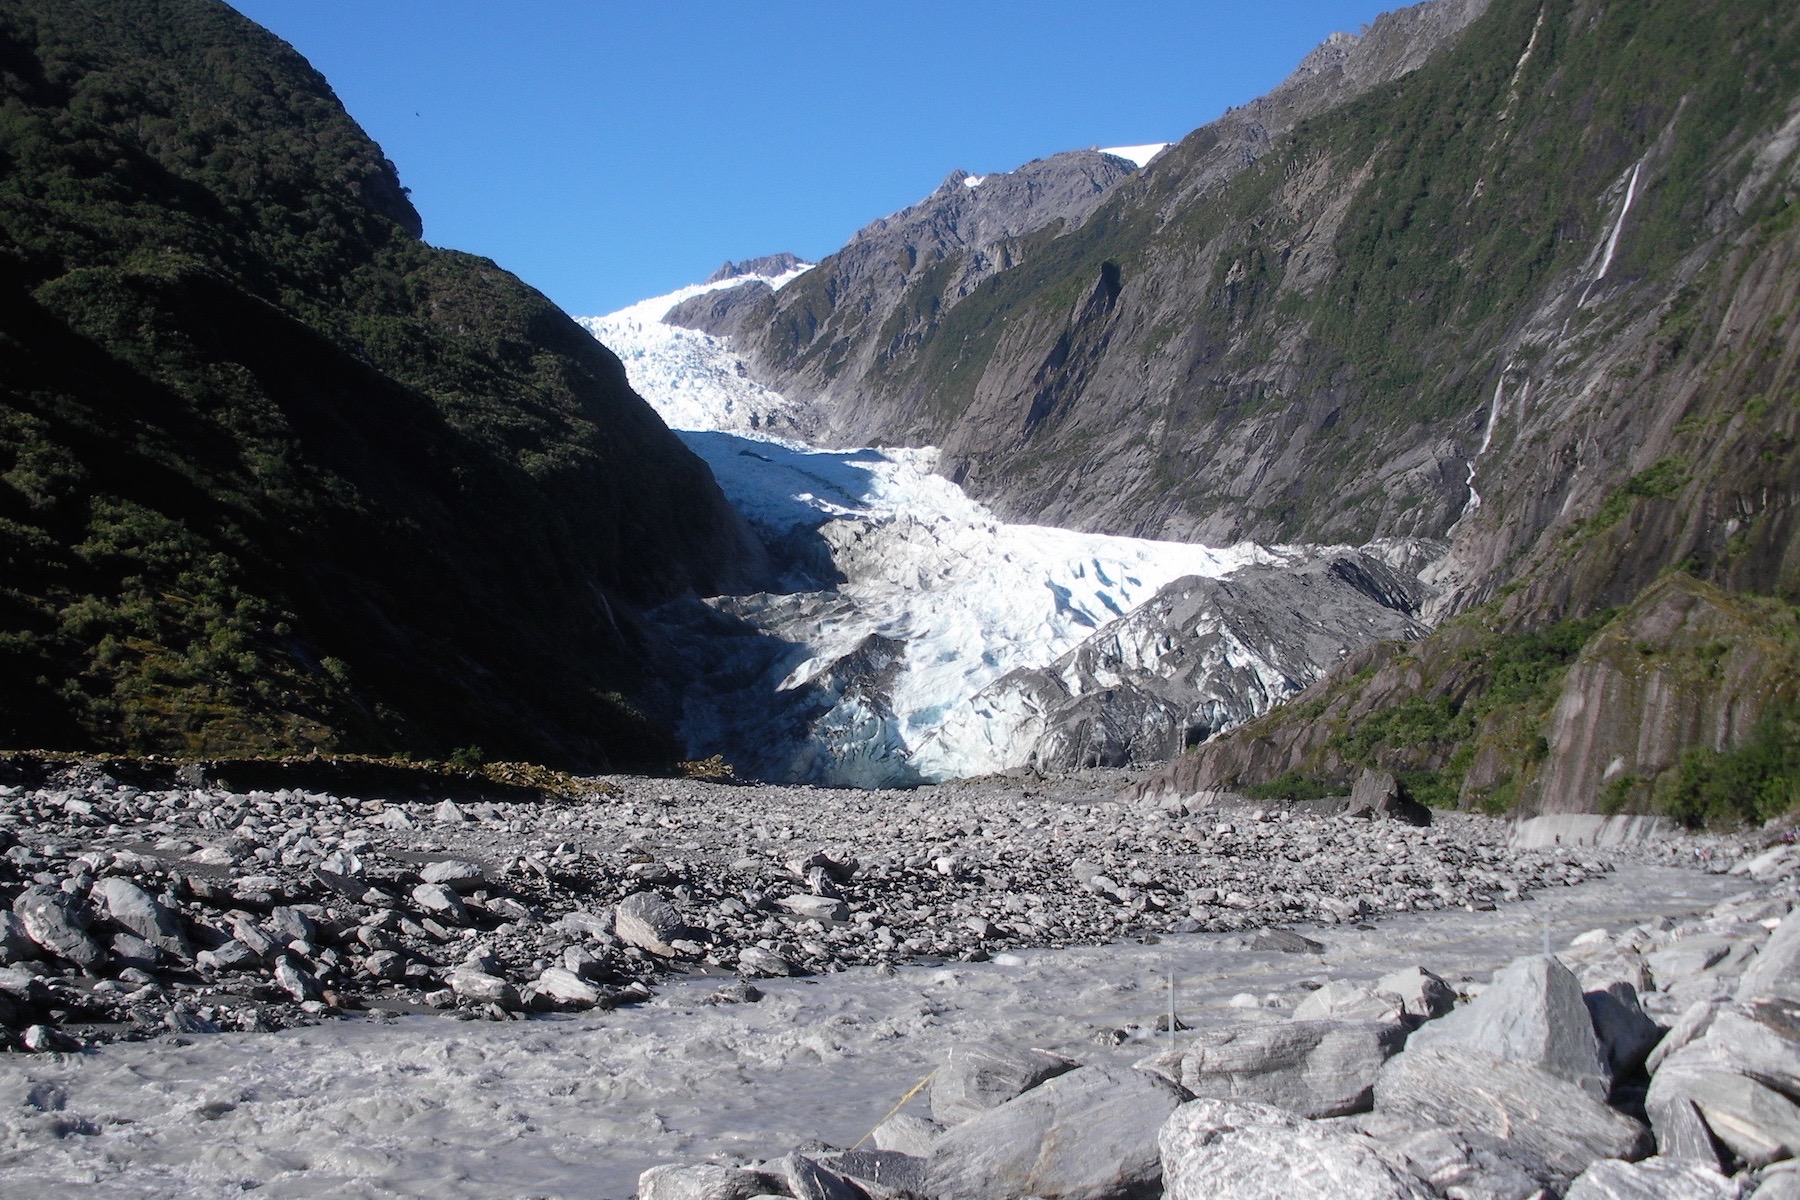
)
(1690, 1026)
(1545, 1117)
(703, 1181)
(1652, 1179)
(1683, 960)
(1311, 1068)
(1377, 794)
(1754, 1121)
(52, 920)
(1212, 1149)
(1533, 1013)
(647, 921)
(138, 911)
(1774, 974)
(1086, 1135)
(440, 901)
(975, 1078)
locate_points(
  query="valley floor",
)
(909, 920)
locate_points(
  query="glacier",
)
(900, 603)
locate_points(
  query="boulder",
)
(439, 900)
(1685, 959)
(882, 1172)
(647, 921)
(1762, 1040)
(1340, 1000)
(754, 960)
(1214, 1148)
(472, 983)
(807, 1180)
(1086, 1135)
(295, 980)
(1691, 1025)
(819, 908)
(15, 943)
(1312, 1068)
(1285, 941)
(1423, 995)
(1774, 974)
(975, 1078)
(907, 1134)
(1754, 1121)
(703, 1181)
(1652, 1179)
(1778, 1185)
(454, 873)
(1548, 1119)
(52, 921)
(1378, 794)
(131, 907)
(1533, 1013)
(566, 987)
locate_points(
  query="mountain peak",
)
(769, 265)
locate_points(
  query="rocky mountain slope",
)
(274, 473)
(1519, 276)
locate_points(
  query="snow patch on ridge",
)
(1140, 155)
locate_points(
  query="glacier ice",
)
(902, 600)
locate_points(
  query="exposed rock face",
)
(881, 292)
(721, 313)
(770, 265)
(1689, 665)
(867, 351)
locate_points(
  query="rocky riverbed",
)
(130, 913)
(780, 964)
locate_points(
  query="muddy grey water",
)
(576, 1107)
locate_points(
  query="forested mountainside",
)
(276, 474)
(1532, 290)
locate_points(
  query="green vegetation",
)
(1662, 480)
(1294, 787)
(1747, 784)
(275, 474)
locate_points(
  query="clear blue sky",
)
(610, 151)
